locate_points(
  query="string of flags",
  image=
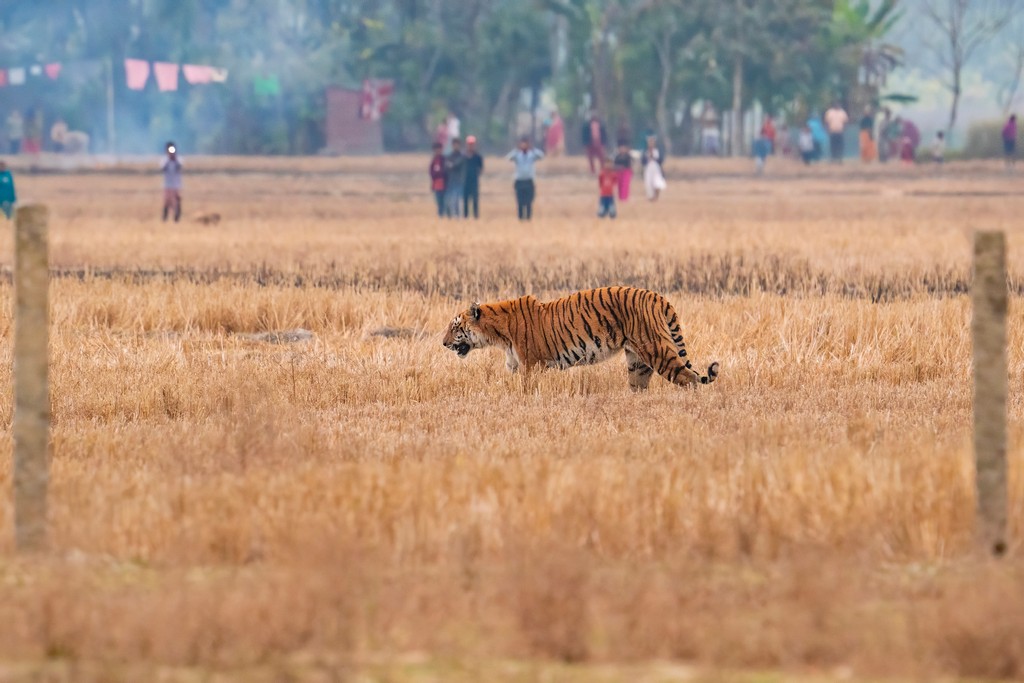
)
(137, 73)
(166, 74)
(19, 75)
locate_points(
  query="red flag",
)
(53, 71)
(3, 77)
(376, 97)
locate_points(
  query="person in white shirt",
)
(836, 119)
(454, 130)
(939, 148)
(805, 143)
(171, 168)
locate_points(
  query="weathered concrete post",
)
(31, 377)
(989, 300)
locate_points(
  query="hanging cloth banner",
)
(197, 74)
(136, 73)
(166, 75)
(218, 75)
(375, 98)
(53, 71)
(35, 70)
(16, 76)
(266, 86)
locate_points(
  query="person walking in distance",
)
(525, 158)
(15, 131)
(595, 136)
(1010, 141)
(455, 166)
(8, 197)
(836, 119)
(438, 177)
(474, 169)
(624, 168)
(607, 183)
(868, 148)
(654, 177)
(171, 168)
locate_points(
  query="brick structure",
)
(346, 131)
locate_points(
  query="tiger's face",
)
(464, 333)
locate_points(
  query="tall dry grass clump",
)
(219, 501)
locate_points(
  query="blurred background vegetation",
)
(642, 65)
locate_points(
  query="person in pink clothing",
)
(554, 139)
(1010, 140)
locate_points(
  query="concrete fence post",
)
(31, 377)
(989, 300)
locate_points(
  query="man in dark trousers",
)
(455, 167)
(595, 137)
(474, 169)
(525, 158)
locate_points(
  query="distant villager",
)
(654, 177)
(1010, 141)
(594, 137)
(836, 119)
(171, 168)
(525, 157)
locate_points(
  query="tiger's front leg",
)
(511, 360)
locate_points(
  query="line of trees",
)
(638, 63)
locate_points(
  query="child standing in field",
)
(805, 143)
(525, 157)
(939, 148)
(171, 168)
(624, 167)
(438, 178)
(607, 182)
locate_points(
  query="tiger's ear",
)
(474, 310)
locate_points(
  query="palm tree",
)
(857, 36)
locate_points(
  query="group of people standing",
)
(455, 174)
(455, 178)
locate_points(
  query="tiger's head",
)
(465, 333)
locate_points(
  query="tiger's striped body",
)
(581, 329)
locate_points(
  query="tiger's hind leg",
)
(639, 371)
(663, 356)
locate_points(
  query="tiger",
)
(583, 328)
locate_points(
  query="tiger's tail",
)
(674, 330)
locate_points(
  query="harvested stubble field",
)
(365, 503)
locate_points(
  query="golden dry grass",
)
(224, 503)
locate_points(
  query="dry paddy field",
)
(365, 506)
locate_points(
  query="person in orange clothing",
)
(868, 148)
(607, 181)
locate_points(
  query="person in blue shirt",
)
(7, 195)
(525, 158)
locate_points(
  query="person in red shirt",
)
(768, 132)
(438, 178)
(607, 181)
